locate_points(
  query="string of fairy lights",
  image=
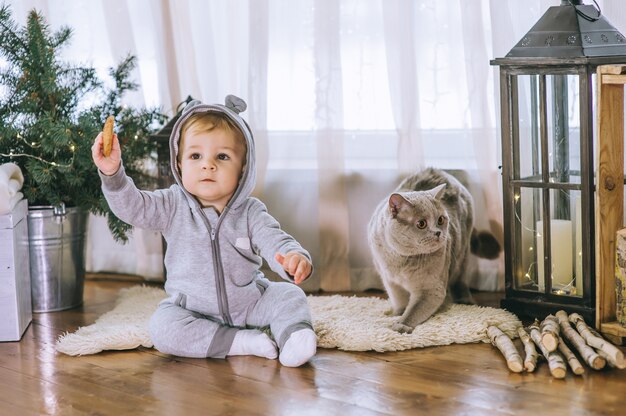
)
(566, 289)
(35, 145)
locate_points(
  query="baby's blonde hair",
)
(206, 122)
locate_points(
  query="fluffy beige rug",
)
(347, 323)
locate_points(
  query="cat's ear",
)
(396, 202)
(437, 191)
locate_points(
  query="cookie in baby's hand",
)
(107, 136)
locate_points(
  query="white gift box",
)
(15, 298)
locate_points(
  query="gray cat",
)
(420, 238)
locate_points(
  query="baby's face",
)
(210, 166)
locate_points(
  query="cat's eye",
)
(441, 220)
(421, 224)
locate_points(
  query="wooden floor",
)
(458, 379)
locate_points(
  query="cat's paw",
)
(465, 300)
(402, 328)
(394, 312)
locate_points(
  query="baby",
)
(217, 235)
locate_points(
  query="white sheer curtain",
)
(345, 98)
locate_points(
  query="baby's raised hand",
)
(107, 164)
(296, 265)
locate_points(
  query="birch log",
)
(550, 332)
(530, 359)
(573, 362)
(507, 348)
(587, 353)
(611, 353)
(600, 352)
(555, 361)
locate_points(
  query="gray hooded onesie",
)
(214, 284)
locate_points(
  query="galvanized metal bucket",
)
(57, 256)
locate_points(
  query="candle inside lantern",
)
(579, 248)
(561, 244)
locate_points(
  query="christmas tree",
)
(47, 125)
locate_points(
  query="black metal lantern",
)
(547, 94)
(162, 139)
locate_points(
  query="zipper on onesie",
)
(220, 284)
(220, 278)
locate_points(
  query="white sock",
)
(253, 342)
(300, 346)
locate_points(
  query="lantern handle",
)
(182, 104)
(585, 16)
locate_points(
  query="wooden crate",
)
(15, 297)
(609, 194)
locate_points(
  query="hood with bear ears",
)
(233, 106)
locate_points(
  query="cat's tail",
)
(484, 244)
